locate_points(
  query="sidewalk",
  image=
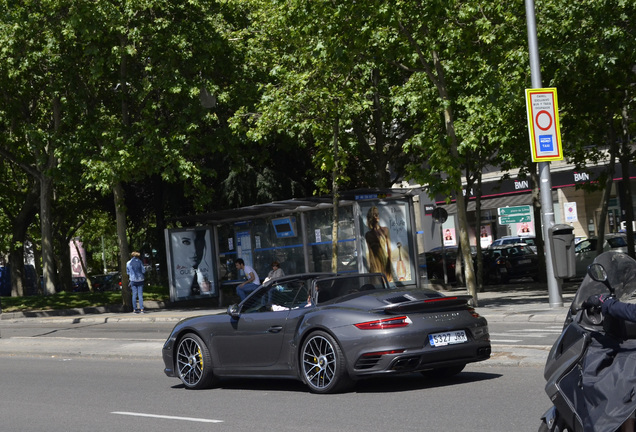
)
(521, 302)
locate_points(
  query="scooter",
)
(591, 369)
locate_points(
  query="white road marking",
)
(192, 419)
(505, 340)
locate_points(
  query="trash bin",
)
(563, 259)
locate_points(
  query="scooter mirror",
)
(597, 272)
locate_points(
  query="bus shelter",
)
(376, 233)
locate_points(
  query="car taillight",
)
(387, 323)
(473, 312)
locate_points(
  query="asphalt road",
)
(508, 333)
(55, 394)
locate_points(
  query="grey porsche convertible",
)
(328, 331)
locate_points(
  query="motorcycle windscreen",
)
(621, 272)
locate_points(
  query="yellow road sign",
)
(543, 124)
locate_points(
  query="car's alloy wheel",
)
(194, 363)
(322, 364)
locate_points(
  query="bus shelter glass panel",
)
(227, 252)
(278, 239)
(388, 247)
(319, 235)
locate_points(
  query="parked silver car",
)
(327, 331)
(505, 240)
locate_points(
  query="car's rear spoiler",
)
(427, 305)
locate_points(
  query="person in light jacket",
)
(136, 271)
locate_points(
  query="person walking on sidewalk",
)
(136, 270)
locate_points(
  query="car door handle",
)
(274, 329)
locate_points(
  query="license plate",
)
(524, 261)
(447, 338)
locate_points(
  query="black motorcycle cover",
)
(608, 383)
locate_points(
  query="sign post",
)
(545, 187)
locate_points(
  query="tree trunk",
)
(19, 237)
(160, 258)
(462, 214)
(46, 199)
(336, 198)
(607, 192)
(118, 189)
(480, 270)
(626, 157)
(48, 266)
(65, 272)
(122, 240)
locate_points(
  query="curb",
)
(78, 312)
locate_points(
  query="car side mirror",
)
(234, 311)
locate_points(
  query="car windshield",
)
(332, 288)
(518, 250)
(616, 242)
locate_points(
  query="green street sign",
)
(507, 220)
(516, 210)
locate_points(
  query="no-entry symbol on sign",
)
(543, 125)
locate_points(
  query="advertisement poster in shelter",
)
(386, 241)
(191, 266)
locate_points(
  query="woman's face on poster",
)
(373, 217)
(184, 248)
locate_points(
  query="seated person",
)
(275, 272)
(252, 282)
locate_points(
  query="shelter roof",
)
(293, 205)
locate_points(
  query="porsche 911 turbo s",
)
(328, 331)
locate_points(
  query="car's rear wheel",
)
(194, 362)
(323, 364)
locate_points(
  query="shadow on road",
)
(392, 384)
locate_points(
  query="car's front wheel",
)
(323, 364)
(194, 363)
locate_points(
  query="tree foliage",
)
(147, 111)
